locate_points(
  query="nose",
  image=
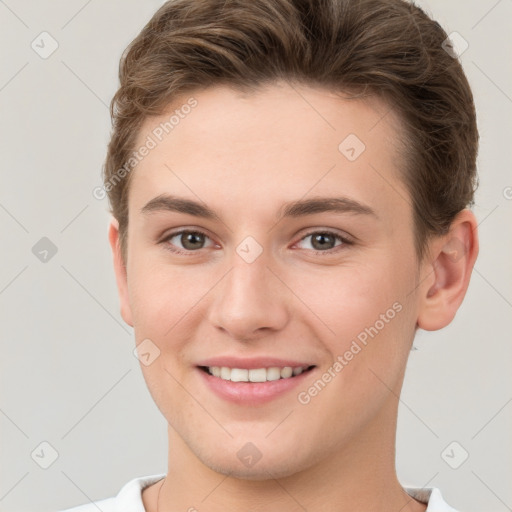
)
(250, 302)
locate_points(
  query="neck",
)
(360, 475)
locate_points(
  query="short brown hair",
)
(390, 48)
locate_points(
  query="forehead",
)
(278, 143)
(295, 111)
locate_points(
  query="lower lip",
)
(252, 393)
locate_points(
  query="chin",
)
(259, 461)
(267, 470)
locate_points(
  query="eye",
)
(190, 240)
(325, 241)
(187, 241)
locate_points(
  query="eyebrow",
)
(294, 209)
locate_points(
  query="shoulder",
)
(128, 498)
(432, 497)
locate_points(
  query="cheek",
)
(167, 303)
(159, 295)
(349, 298)
(373, 329)
(363, 315)
(162, 300)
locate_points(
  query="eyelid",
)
(345, 237)
(346, 240)
(165, 239)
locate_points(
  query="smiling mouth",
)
(255, 374)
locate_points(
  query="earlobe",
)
(120, 271)
(452, 258)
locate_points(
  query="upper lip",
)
(253, 362)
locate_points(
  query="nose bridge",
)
(250, 297)
(249, 261)
(249, 277)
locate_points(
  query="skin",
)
(244, 155)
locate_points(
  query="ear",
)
(448, 270)
(120, 271)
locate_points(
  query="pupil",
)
(320, 238)
(190, 239)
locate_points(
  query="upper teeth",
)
(256, 374)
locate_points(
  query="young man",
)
(289, 183)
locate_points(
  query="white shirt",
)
(129, 498)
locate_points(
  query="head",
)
(247, 108)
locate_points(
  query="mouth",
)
(253, 381)
(256, 375)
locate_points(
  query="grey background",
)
(68, 375)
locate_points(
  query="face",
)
(298, 253)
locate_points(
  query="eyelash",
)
(345, 241)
